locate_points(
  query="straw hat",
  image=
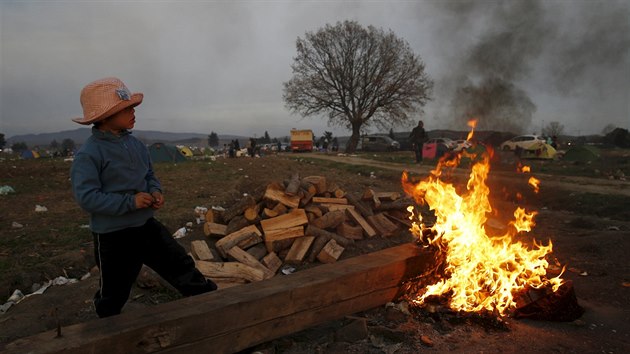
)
(105, 97)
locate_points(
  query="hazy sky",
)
(219, 65)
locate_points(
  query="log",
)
(229, 270)
(405, 222)
(269, 213)
(308, 187)
(249, 235)
(250, 260)
(213, 215)
(272, 262)
(348, 231)
(238, 222)
(333, 207)
(316, 231)
(201, 251)
(296, 217)
(339, 193)
(357, 218)
(249, 314)
(369, 194)
(276, 193)
(382, 225)
(387, 195)
(251, 213)
(330, 253)
(299, 249)
(274, 237)
(306, 196)
(359, 205)
(238, 208)
(294, 185)
(258, 251)
(314, 209)
(214, 229)
(318, 181)
(280, 209)
(330, 200)
(330, 220)
(318, 244)
(398, 204)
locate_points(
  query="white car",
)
(450, 144)
(462, 144)
(522, 141)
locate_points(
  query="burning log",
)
(544, 304)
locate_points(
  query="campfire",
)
(480, 273)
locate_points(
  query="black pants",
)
(417, 149)
(121, 254)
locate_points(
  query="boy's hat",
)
(105, 97)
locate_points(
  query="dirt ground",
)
(586, 218)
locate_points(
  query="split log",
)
(317, 246)
(238, 208)
(405, 222)
(299, 249)
(250, 314)
(244, 238)
(333, 207)
(214, 216)
(318, 181)
(294, 185)
(269, 213)
(330, 200)
(399, 204)
(308, 187)
(314, 209)
(348, 231)
(306, 196)
(296, 217)
(369, 194)
(229, 270)
(280, 209)
(201, 251)
(214, 229)
(258, 251)
(251, 213)
(249, 260)
(357, 218)
(272, 262)
(359, 205)
(316, 231)
(330, 220)
(275, 239)
(382, 225)
(276, 193)
(387, 195)
(259, 193)
(238, 222)
(339, 193)
(330, 253)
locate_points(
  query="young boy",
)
(113, 180)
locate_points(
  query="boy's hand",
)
(158, 200)
(143, 200)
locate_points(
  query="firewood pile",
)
(300, 220)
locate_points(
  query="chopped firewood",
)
(280, 209)
(274, 237)
(357, 218)
(387, 195)
(405, 222)
(249, 260)
(238, 208)
(258, 251)
(382, 225)
(224, 283)
(214, 229)
(398, 204)
(251, 213)
(369, 194)
(316, 231)
(317, 246)
(333, 207)
(214, 216)
(276, 192)
(229, 270)
(247, 235)
(314, 209)
(339, 193)
(308, 187)
(201, 251)
(348, 231)
(359, 205)
(272, 262)
(269, 213)
(306, 196)
(294, 218)
(330, 219)
(299, 249)
(238, 222)
(293, 186)
(330, 253)
(318, 181)
(330, 200)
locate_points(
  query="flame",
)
(482, 273)
(535, 183)
(472, 124)
(523, 168)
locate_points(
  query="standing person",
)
(418, 137)
(113, 180)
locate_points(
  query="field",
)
(582, 209)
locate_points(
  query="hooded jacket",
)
(107, 172)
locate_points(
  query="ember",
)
(481, 273)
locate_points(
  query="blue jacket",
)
(107, 172)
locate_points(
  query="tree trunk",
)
(351, 146)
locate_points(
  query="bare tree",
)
(358, 77)
(553, 129)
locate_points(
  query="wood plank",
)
(293, 218)
(249, 260)
(299, 249)
(229, 270)
(250, 314)
(330, 200)
(201, 251)
(357, 218)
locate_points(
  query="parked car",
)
(450, 144)
(379, 143)
(521, 141)
(462, 144)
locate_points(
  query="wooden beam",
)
(237, 318)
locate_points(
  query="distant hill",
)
(148, 136)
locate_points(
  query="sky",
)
(219, 65)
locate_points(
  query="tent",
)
(185, 150)
(538, 150)
(29, 154)
(581, 154)
(165, 153)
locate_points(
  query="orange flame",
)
(472, 124)
(523, 168)
(535, 183)
(482, 272)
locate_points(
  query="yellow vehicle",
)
(301, 140)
